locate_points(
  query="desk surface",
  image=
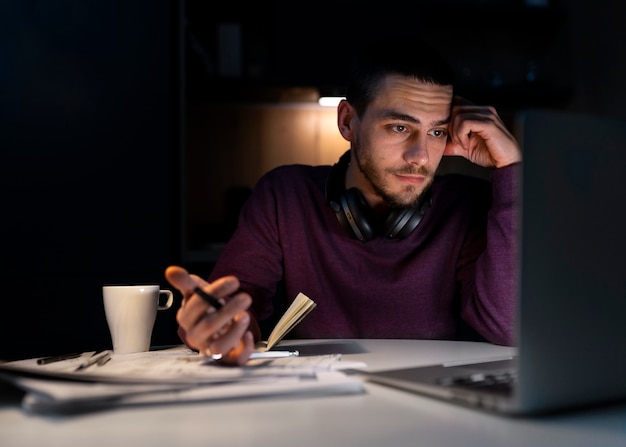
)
(379, 417)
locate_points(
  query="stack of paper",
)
(170, 376)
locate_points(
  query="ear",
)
(345, 116)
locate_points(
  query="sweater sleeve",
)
(490, 284)
(254, 252)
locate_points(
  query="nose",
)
(417, 152)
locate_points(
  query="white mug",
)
(131, 313)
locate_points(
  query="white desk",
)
(381, 417)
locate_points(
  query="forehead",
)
(409, 96)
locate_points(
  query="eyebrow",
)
(404, 117)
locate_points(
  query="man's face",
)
(399, 141)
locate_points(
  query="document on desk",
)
(171, 376)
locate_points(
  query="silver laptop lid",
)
(572, 311)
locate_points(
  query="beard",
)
(408, 197)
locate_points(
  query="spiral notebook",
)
(571, 341)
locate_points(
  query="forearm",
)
(491, 291)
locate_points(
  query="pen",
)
(100, 360)
(273, 354)
(57, 358)
(213, 301)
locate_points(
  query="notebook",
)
(571, 314)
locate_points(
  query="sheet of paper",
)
(49, 396)
(173, 375)
(178, 366)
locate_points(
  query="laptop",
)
(571, 314)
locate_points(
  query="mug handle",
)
(170, 299)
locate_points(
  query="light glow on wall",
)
(329, 101)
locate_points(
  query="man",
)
(385, 248)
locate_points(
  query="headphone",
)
(357, 218)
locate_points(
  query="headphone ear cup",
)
(351, 209)
(401, 222)
(358, 215)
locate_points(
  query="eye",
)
(438, 133)
(398, 128)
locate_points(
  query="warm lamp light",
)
(329, 101)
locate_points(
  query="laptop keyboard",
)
(499, 382)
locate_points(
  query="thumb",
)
(182, 280)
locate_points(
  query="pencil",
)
(57, 358)
(96, 359)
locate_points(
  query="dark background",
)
(89, 177)
(93, 97)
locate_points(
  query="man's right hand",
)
(222, 333)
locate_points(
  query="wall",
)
(89, 184)
(231, 146)
(597, 36)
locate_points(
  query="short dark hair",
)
(389, 55)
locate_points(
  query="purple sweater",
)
(458, 264)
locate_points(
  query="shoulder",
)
(294, 176)
(290, 170)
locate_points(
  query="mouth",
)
(411, 179)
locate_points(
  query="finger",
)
(194, 309)
(202, 327)
(455, 145)
(198, 317)
(241, 354)
(196, 304)
(220, 288)
(230, 339)
(188, 283)
(460, 132)
(188, 314)
(468, 122)
(182, 280)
